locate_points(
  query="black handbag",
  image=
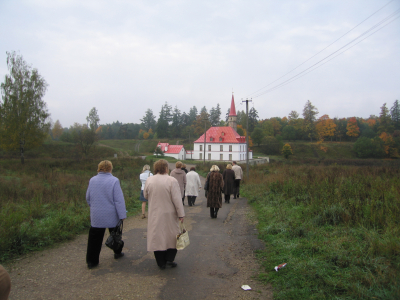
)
(206, 184)
(114, 241)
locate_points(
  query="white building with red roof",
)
(175, 151)
(222, 143)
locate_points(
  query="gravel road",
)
(219, 260)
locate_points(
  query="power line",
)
(299, 76)
(320, 61)
(323, 48)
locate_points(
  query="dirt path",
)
(219, 260)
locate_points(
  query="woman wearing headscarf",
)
(215, 186)
(193, 185)
(107, 207)
(143, 177)
(164, 213)
(229, 182)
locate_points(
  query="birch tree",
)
(23, 113)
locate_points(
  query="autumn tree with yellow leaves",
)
(325, 127)
(352, 128)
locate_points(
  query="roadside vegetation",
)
(336, 226)
(43, 201)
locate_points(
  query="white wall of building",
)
(179, 156)
(229, 152)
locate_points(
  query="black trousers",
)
(95, 241)
(236, 188)
(227, 198)
(191, 200)
(163, 256)
(213, 212)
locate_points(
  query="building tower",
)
(232, 115)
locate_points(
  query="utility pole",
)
(191, 152)
(247, 136)
(205, 137)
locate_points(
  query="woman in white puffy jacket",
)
(143, 177)
(193, 185)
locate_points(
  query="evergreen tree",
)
(192, 115)
(176, 123)
(185, 120)
(385, 122)
(227, 115)
(253, 119)
(203, 110)
(149, 120)
(164, 118)
(241, 118)
(395, 114)
(310, 113)
(93, 119)
(215, 115)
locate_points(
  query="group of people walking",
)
(228, 183)
(165, 196)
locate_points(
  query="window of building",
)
(201, 147)
(221, 148)
(230, 156)
(230, 148)
(222, 133)
(201, 155)
(209, 156)
(211, 139)
(221, 157)
(220, 139)
(209, 147)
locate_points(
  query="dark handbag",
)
(114, 241)
(206, 184)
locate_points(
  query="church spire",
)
(232, 115)
(232, 112)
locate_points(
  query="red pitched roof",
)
(220, 135)
(232, 111)
(172, 149)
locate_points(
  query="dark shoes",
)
(119, 255)
(171, 264)
(92, 266)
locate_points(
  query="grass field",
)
(332, 218)
(336, 227)
(43, 201)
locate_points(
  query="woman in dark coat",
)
(229, 182)
(214, 194)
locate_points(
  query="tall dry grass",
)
(43, 201)
(337, 227)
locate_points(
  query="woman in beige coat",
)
(164, 213)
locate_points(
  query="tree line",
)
(24, 122)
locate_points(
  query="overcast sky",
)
(124, 57)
